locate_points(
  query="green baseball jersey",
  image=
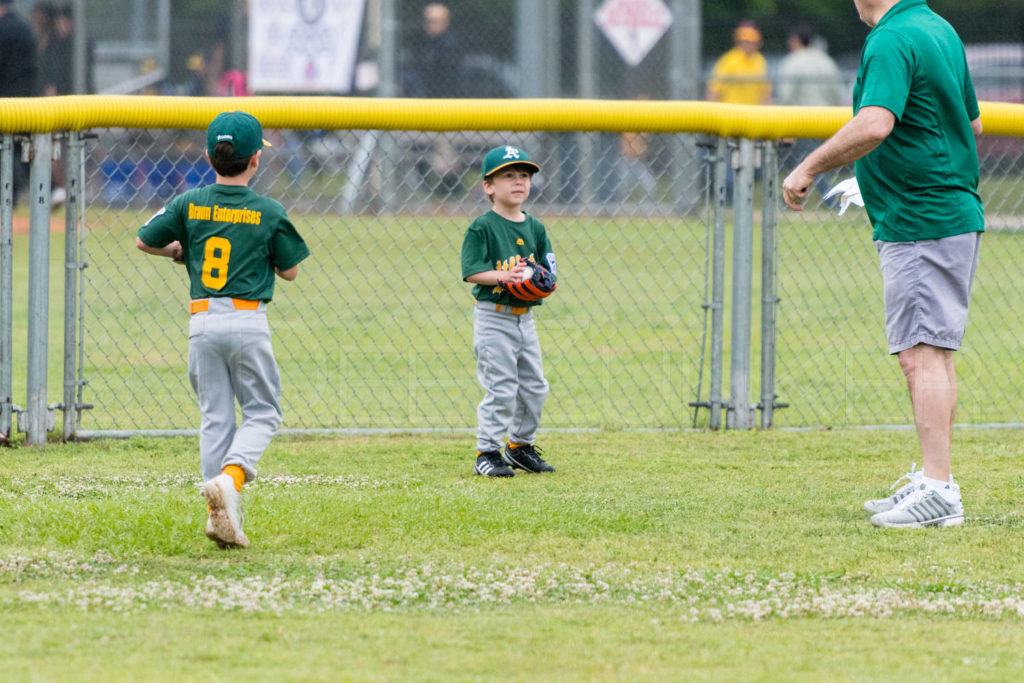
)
(493, 242)
(231, 238)
(922, 181)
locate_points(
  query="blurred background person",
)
(740, 76)
(56, 51)
(435, 58)
(195, 82)
(18, 55)
(18, 71)
(808, 77)
(55, 66)
(434, 71)
(42, 19)
(634, 165)
(64, 34)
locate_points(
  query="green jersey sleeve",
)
(164, 227)
(287, 248)
(475, 256)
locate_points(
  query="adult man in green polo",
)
(912, 138)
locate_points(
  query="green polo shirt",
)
(922, 181)
(493, 242)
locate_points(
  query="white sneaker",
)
(224, 527)
(924, 506)
(884, 504)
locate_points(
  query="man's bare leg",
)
(931, 378)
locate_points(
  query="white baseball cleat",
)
(224, 526)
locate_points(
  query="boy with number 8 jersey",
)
(232, 242)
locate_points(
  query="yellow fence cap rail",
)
(82, 112)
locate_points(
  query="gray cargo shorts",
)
(927, 287)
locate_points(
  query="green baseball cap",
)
(242, 130)
(506, 155)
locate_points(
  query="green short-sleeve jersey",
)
(493, 242)
(232, 239)
(922, 181)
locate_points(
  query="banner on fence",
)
(304, 46)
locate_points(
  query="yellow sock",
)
(236, 473)
(514, 446)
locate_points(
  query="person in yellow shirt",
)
(740, 76)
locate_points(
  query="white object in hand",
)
(849, 193)
(526, 274)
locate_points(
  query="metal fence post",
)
(38, 288)
(587, 75)
(718, 283)
(739, 414)
(6, 282)
(769, 291)
(384, 175)
(73, 221)
(684, 84)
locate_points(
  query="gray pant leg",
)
(510, 371)
(256, 382)
(533, 388)
(230, 355)
(496, 372)
(211, 381)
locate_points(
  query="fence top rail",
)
(81, 112)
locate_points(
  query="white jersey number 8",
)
(215, 262)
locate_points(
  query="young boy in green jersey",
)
(232, 242)
(508, 359)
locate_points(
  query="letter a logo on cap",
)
(511, 152)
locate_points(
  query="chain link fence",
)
(376, 333)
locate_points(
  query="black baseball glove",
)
(539, 284)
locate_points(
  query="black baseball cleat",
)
(526, 457)
(489, 464)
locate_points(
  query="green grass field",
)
(649, 555)
(701, 556)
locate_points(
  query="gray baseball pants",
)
(510, 369)
(230, 357)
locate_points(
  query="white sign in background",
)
(633, 26)
(303, 45)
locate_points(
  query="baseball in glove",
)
(537, 283)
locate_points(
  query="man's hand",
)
(795, 187)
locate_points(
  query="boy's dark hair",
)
(224, 164)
